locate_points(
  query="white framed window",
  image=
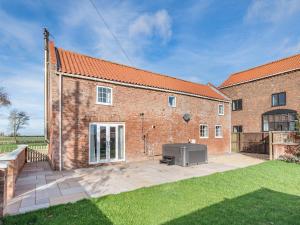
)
(221, 109)
(172, 101)
(203, 131)
(104, 95)
(218, 131)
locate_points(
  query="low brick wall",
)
(11, 165)
(280, 149)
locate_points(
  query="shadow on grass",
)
(79, 213)
(260, 207)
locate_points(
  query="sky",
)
(201, 41)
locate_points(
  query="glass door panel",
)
(93, 143)
(112, 142)
(103, 142)
(120, 142)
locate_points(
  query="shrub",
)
(292, 154)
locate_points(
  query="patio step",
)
(170, 160)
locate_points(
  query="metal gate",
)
(250, 142)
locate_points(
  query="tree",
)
(4, 99)
(17, 120)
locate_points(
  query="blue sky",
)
(201, 41)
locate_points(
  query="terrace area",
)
(39, 187)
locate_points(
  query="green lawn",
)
(8, 144)
(11, 147)
(268, 193)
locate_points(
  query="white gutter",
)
(138, 86)
(46, 91)
(255, 79)
(60, 122)
(230, 128)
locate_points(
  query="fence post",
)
(239, 142)
(271, 145)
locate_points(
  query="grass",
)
(21, 139)
(8, 144)
(267, 193)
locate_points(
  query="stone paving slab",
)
(39, 187)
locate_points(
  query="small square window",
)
(203, 131)
(237, 129)
(221, 109)
(172, 101)
(279, 99)
(218, 133)
(104, 95)
(237, 105)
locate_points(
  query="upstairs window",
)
(203, 131)
(237, 105)
(219, 133)
(279, 99)
(104, 95)
(221, 109)
(237, 129)
(172, 101)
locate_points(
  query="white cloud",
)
(24, 85)
(272, 10)
(16, 33)
(149, 25)
(82, 16)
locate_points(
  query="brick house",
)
(265, 98)
(102, 112)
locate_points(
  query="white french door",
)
(107, 142)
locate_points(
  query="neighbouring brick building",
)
(101, 112)
(265, 98)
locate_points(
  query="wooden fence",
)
(261, 142)
(284, 137)
(37, 153)
(250, 142)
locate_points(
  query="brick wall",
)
(13, 170)
(53, 121)
(3, 198)
(256, 97)
(14, 162)
(80, 108)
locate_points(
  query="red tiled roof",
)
(269, 69)
(74, 63)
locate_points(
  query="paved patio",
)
(39, 187)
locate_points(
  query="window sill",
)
(203, 137)
(100, 103)
(277, 105)
(106, 161)
(219, 137)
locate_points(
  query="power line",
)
(111, 32)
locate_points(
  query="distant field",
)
(8, 144)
